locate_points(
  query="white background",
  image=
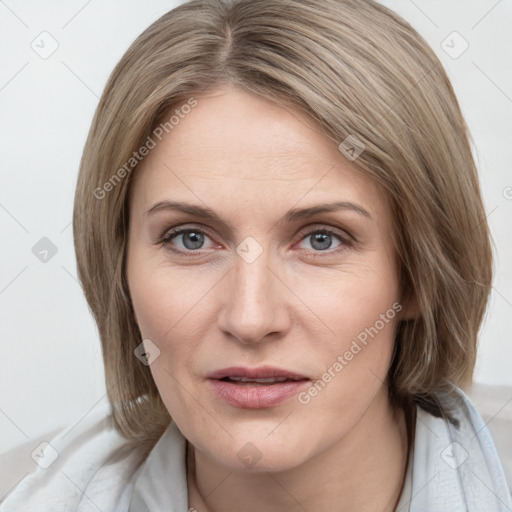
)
(51, 371)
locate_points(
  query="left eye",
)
(322, 240)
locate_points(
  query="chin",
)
(256, 452)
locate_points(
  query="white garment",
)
(454, 469)
(450, 470)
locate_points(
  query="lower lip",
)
(257, 396)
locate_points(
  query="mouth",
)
(262, 374)
(257, 382)
(256, 388)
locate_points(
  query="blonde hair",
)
(357, 69)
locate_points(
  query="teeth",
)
(261, 381)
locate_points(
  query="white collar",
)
(450, 469)
(162, 481)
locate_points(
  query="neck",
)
(363, 471)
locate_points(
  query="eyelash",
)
(345, 240)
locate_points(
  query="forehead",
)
(237, 146)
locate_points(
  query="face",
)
(262, 277)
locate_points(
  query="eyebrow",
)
(291, 216)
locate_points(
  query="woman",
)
(280, 233)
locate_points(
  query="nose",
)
(255, 306)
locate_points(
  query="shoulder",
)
(87, 466)
(456, 463)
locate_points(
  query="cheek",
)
(174, 312)
(167, 305)
(166, 297)
(360, 310)
(354, 299)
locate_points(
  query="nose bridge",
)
(252, 309)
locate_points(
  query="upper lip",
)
(262, 372)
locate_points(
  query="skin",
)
(297, 306)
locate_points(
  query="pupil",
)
(323, 239)
(193, 240)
